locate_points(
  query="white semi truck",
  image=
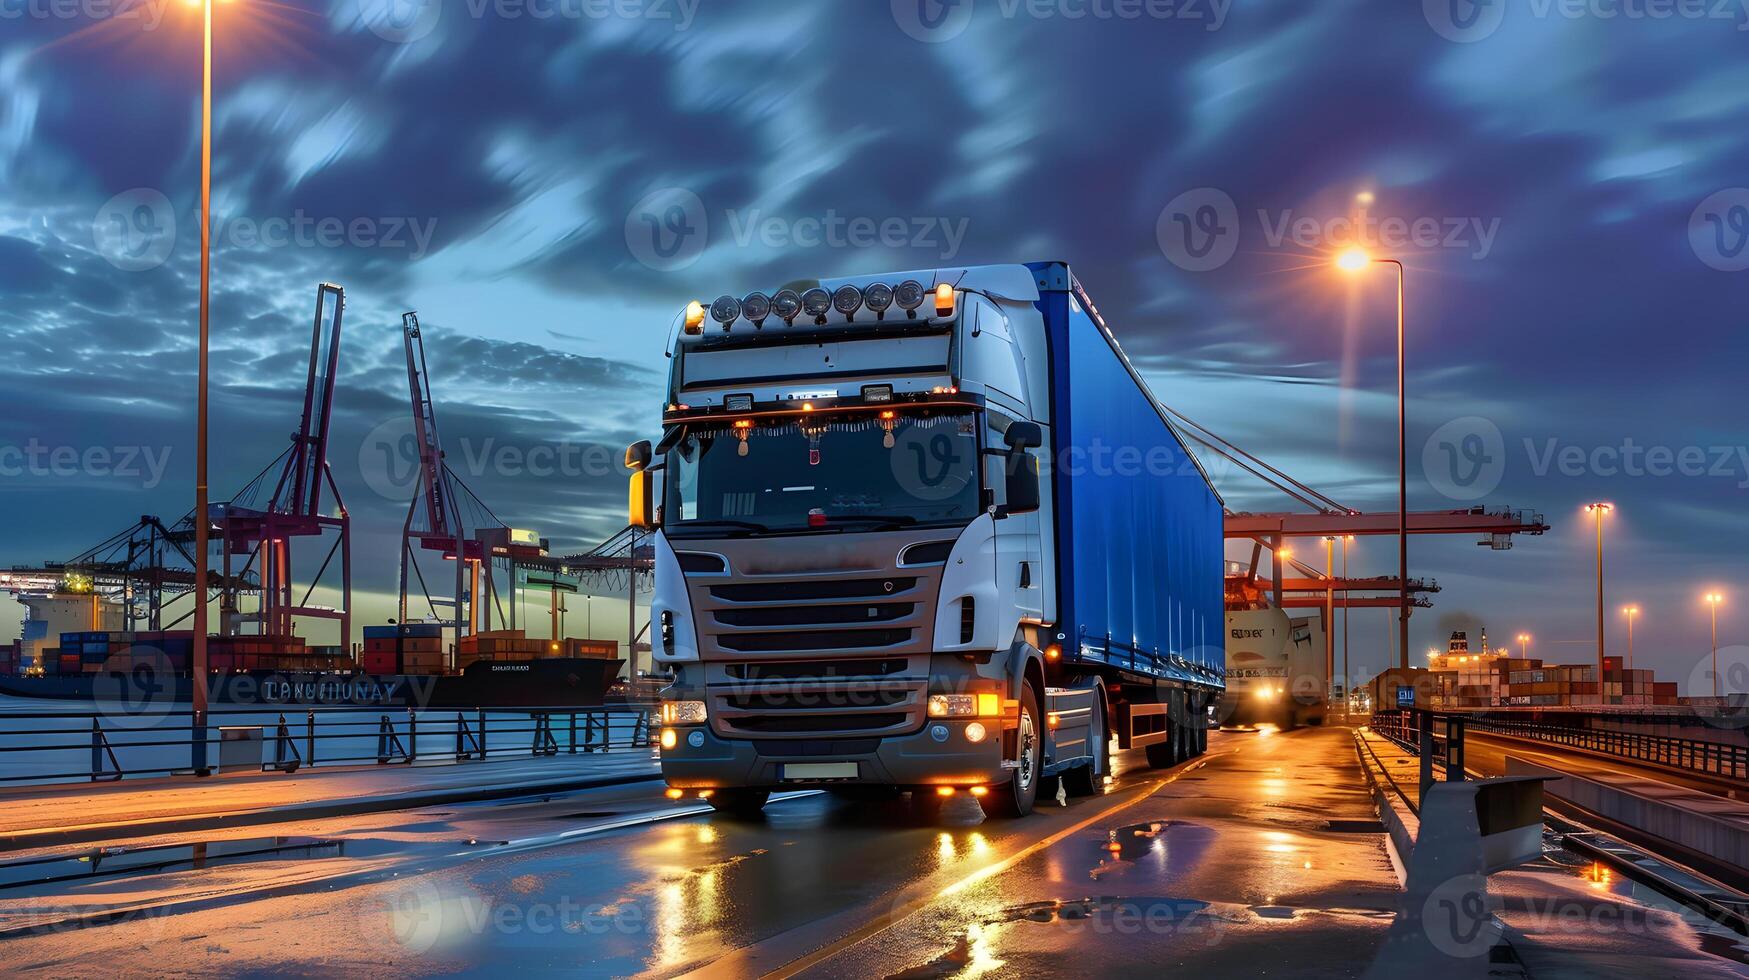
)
(926, 531)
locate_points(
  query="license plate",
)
(819, 770)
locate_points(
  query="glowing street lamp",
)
(1524, 642)
(1597, 511)
(1353, 261)
(1630, 612)
(1712, 600)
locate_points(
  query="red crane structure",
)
(446, 517)
(261, 522)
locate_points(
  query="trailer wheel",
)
(1016, 797)
(739, 801)
(1164, 754)
(1089, 779)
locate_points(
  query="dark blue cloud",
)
(1570, 153)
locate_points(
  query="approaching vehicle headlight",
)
(683, 713)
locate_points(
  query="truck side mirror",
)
(1021, 471)
(640, 507)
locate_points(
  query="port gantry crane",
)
(261, 522)
(446, 517)
(1325, 518)
(148, 566)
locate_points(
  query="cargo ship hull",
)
(554, 682)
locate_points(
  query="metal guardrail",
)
(172, 744)
(1690, 755)
(1685, 754)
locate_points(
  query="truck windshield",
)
(829, 473)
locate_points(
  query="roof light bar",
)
(909, 296)
(878, 297)
(815, 303)
(756, 306)
(786, 304)
(726, 310)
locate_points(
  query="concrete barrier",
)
(1723, 840)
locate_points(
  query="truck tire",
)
(1164, 754)
(1089, 779)
(739, 801)
(1016, 797)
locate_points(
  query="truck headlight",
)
(683, 713)
(965, 705)
(953, 705)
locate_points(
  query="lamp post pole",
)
(201, 521)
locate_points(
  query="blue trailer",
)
(928, 531)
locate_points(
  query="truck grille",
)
(817, 638)
(806, 590)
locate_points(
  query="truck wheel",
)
(1089, 779)
(1015, 799)
(740, 802)
(1169, 752)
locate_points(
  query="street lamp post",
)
(1354, 260)
(1713, 599)
(1329, 617)
(1524, 644)
(1597, 511)
(1630, 612)
(1347, 678)
(201, 522)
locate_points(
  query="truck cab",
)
(859, 547)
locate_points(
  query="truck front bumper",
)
(939, 754)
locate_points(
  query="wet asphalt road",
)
(1262, 858)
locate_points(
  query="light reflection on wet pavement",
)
(1266, 856)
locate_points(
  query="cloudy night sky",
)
(548, 181)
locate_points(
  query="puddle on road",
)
(34, 876)
(1711, 937)
(973, 951)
